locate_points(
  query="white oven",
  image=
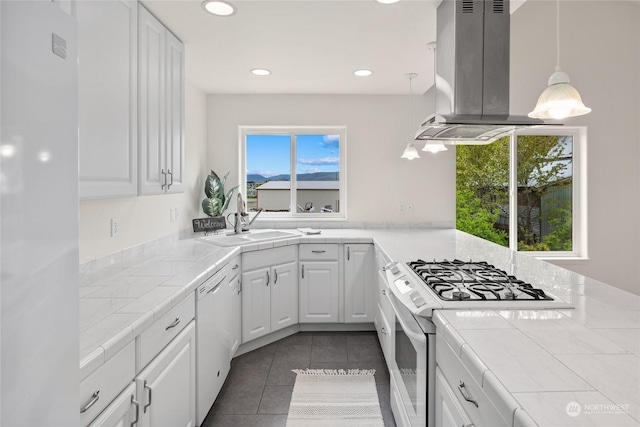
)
(413, 368)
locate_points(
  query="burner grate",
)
(473, 281)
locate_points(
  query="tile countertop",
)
(546, 359)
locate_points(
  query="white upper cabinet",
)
(107, 91)
(160, 107)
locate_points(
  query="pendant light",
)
(434, 146)
(559, 100)
(410, 151)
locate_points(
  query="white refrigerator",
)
(39, 357)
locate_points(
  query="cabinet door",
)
(235, 314)
(174, 101)
(256, 304)
(166, 388)
(284, 296)
(151, 103)
(449, 413)
(359, 283)
(107, 98)
(121, 412)
(319, 298)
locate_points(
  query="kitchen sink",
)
(232, 239)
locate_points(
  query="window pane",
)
(268, 160)
(317, 173)
(545, 187)
(482, 190)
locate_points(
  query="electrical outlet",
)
(115, 227)
(176, 214)
(409, 208)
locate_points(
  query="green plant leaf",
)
(212, 207)
(211, 185)
(228, 198)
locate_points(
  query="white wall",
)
(147, 218)
(378, 180)
(600, 50)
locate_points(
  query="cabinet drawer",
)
(104, 384)
(383, 328)
(235, 267)
(482, 412)
(269, 257)
(320, 252)
(385, 304)
(158, 335)
(381, 259)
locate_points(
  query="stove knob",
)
(395, 270)
(417, 299)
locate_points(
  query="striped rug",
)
(329, 397)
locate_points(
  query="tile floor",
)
(258, 389)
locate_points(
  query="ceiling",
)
(311, 46)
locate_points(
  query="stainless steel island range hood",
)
(472, 74)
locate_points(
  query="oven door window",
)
(410, 367)
(407, 362)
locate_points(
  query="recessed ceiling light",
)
(260, 72)
(363, 73)
(387, 1)
(219, 7)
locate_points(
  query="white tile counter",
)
(546, 359)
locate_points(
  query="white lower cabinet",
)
(449, 413)
(122, 412)
(319, 292)
(269, 292)
(166, 388)
(359, 283)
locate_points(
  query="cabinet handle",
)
(275, 279)
(268, 278)
(164, 184)
(318, 252)
(239, 286)
(135, 402)
(171, 175)
(235, 267)
(348, 253)
(303, 271)
(384, 292)
(383, 330)
(92, 401)
(466, 397)
(174, 324)
(148, 387)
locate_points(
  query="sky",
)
(270, 155)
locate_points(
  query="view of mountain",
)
(315, 176)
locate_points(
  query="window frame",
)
(579, 191)
(292, 131)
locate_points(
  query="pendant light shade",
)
(434, 147)
(559, 100)
(410, 152)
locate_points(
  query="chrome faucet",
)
(241, 223)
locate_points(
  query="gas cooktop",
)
(467, 280)
(424, 286)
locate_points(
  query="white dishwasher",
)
(213, 342)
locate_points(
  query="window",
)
(294, 171)
(526, 191)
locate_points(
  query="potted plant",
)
(215, 203)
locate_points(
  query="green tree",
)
(482, 190)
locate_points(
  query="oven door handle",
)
(419, 337)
